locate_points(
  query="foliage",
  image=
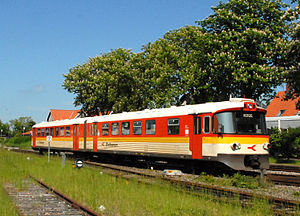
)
(105, 83)
(239, 50)
(18, 141)
(21, 125)
(250, 41)
(4, 129)
(286, 143)
(293, 76)
(237, 180)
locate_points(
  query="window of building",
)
(173, 126)
(150, 127)
(137, 127)
(62, 131)
(105, 129)
(115, 128)
(280, 113)
(68, 131)
(125, 128)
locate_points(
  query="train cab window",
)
(207, 124)
(137, 127)
(91, 129)
(62, 131)
(150, 127)
(173, 126)
(197, 125)
(39, 132)
(51, 131)
(115, 128)
(43, 131)
(95, 129)
(105, 129)
(57, 131)
(68, 131)
(47, 131)
(125, 128)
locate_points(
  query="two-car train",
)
(231, 132)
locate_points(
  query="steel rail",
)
(216, 190)
(74, 203)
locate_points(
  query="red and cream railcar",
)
(231, 132)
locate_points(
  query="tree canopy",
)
(239, 50)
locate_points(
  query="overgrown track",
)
(280, 206)
(285, 178)
(74, 203)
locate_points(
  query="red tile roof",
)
(277, 104)
(62, 114)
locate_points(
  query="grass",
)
(119, 196)
(284, 161)
(23, 142)
(237, 180)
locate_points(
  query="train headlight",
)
(236, 146)
(267, 146)
(250, 106)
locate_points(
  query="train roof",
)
(210, 107)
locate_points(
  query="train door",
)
(76, 137)
(33, 137)
(196, 138)
(95, 137)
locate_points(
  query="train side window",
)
(173, 126)
(62, 131)
(39, 132)
(207, 124)
(137, 127)
(105, 129)
(77, 130)
(68, 131)
(197, 125)
(47, 131)
(56, 131)
(91, 130)
(43, 131)
(95, 129)
(115, 128)
(125, 128)
(150, 127)
(51, 131)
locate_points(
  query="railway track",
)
(37, 198)
(280, 206)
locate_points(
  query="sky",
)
(40, 40)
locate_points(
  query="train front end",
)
(239, 138)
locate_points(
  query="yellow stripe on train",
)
(230, 140)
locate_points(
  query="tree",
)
(293, 76)
(250, 40)
(4, 129)
(105, 83)
(21, 125)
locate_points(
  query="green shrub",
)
(285, 144)
(19, 141)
